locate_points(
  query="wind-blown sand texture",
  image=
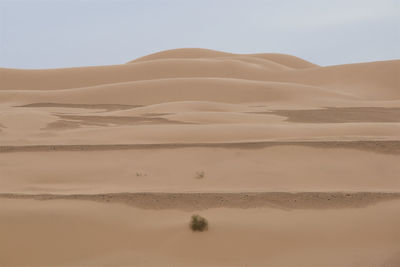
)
(293, 164)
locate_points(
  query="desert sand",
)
(292, 163)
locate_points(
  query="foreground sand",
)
(293, 164)
(85, 233)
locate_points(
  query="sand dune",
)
(282, 59)
(185, 89)
(362, 79)
(295, 159)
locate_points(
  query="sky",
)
(40, 34)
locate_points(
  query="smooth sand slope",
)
(86, 152)
(84, 233)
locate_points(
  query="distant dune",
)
(299, 162)
(198, 53)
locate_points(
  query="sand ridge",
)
(379, 146)
(338, 115)
(193, 201)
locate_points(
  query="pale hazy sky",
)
(58, 33)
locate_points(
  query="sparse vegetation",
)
(140, 174)
(200, 175)
(198, 223)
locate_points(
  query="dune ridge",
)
(379, 146)
(192, 201)
(282, 59)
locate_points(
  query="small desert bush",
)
(198, 223)
(140, 174)
(200, 175)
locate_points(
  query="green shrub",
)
(198, 223)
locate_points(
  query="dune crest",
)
(283, 59)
